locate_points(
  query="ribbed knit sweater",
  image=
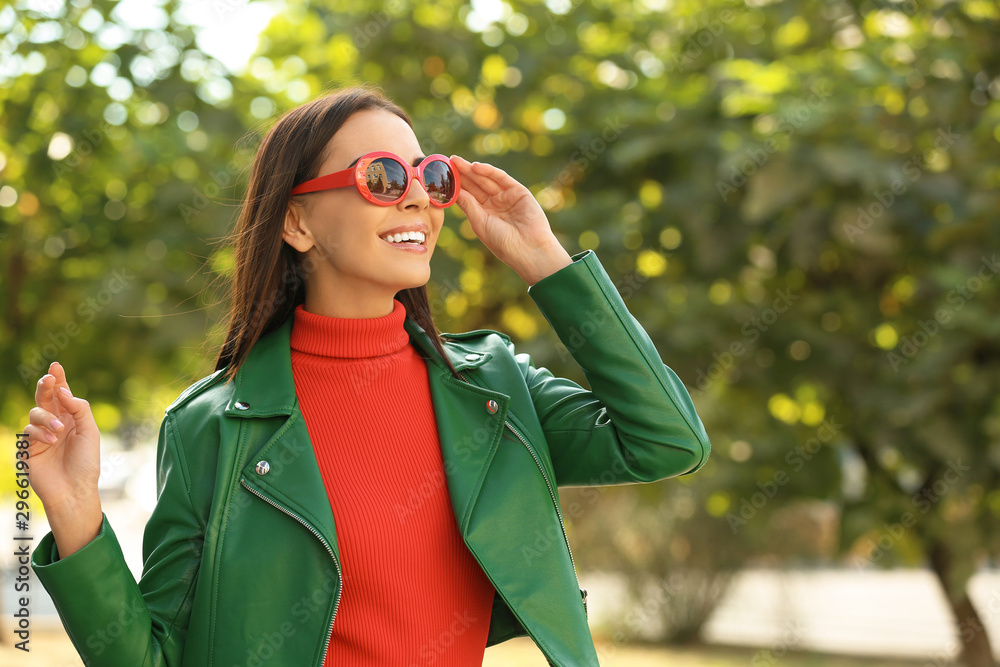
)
(412, 592)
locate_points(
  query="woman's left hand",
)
(508, 220)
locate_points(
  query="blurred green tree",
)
(797, 201)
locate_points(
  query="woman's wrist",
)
(75, 523)
(549, 260)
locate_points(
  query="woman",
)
(334, 395)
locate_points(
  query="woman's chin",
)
(412, 278)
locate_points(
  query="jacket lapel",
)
(470, 420)
(265, 388)
(291, 480)
(471, 430)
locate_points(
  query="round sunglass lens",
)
(439, 181)
(386, 179)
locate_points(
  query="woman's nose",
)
(417, 196)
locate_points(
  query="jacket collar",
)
(268, 388)
(471, 419)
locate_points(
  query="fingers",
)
(59, 373)
(470, 180)
(44, 419)
(460, 162)
(79, 409)
(489, 178)
(44, 423)
(467, 202)
(44, 396)
(39, 433)
(53, 398)
(475, 190)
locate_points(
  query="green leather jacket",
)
(240, 564)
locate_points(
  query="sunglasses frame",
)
(357, 176)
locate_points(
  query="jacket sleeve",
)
(112, 620)
(638, 422)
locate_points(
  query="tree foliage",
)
(796, 199)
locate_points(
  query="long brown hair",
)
(269, 278)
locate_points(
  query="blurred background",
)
(797, 200)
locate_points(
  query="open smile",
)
(409, 241)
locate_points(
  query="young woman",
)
(351, 486)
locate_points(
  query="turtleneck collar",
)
(349, 337)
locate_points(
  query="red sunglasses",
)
(384, 178)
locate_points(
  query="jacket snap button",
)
(242, 405)
(492, 406)
(263, 467)
(472, 357)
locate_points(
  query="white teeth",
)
(404, 236)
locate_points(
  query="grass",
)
(52, 648)
(522, 652)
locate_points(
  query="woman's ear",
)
(294, 231)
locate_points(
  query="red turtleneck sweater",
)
(413, 594)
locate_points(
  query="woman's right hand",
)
(64, 459)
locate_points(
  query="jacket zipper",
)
(551, 493)
(340, 588)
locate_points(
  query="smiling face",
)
(350, 270)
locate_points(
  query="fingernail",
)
(51, 437)
(48, 375)
(66, 391)
(56, 424)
